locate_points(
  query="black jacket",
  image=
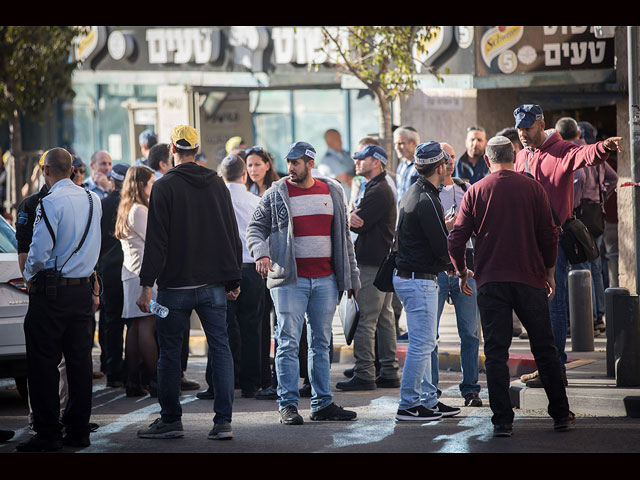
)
(192, 234)
(26, 218)
(379, 212)
(111, 257)
(422, 233)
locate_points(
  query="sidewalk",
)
(590, 391)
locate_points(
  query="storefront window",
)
(272, 123)
(316, 111)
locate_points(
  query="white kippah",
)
(499, 140)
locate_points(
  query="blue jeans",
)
(420, 301)
(467, 320)
(317, 298)
(558, 306)
(597, 283)
(210, 303)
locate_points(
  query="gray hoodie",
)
(270, 234)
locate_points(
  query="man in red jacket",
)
(550, 160)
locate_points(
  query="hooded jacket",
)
(192, 234)
(553, 163)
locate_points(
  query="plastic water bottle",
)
(158, 309)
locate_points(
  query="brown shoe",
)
(537, 382)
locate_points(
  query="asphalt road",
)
(257, 430)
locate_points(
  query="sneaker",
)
(418, 414)
(221, 431)
(333, 412)
(445, 410)
(205, 394)
(537, 382)
(269, 393)
(565, 423)
(289, 416)
(160, 429)
(356, 383)
(472, 400)
(599, 326)
(186, 385)
(502, 430)
(38, 443)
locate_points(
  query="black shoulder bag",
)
(384, 276)
(590, 213)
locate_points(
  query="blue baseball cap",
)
(429, 153)
(77, 161)
(300, 149)
(527, 115)
(374, 151)
(118, 172)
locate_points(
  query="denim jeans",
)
(597, 283)
(210, 303)
(497, 301)
(467, 320)
(317, 298)
(558, 306)
(420, 301)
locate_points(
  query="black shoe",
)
(205, 394)
(6, 435)
(115, 384)
(135, 391)
(186, 385)
(290, 416)
(93, 427)
(77, 442)
(502, 430)
(268, 393)
(305, 391)
(565, 423)
(472, 400)
(248, 393)
(356, 383)
(388, 382)
(333, 412)
(418, 414)
(445, 410)
(349, 372)
(38, 443)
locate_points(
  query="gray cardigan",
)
(270, 234)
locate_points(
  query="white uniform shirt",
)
(67, 209)
(244, 204)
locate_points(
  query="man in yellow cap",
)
(189, 207)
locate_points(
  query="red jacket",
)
(553, 164)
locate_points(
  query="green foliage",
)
(384, 58)
(35, 68)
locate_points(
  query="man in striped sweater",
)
(300, 240)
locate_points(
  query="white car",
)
(14, 302)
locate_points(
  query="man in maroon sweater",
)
(552, 161)
(515, 256)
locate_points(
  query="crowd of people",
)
(287, 246)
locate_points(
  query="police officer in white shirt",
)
(63, 297)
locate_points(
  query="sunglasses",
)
(252, 150)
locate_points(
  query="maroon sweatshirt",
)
(516, 238)
(553, 164)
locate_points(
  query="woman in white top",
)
(131, 228)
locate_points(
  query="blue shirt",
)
(406, 175)
(468, 172)
(67, 209)
(92, 187)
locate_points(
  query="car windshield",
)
(8, 242)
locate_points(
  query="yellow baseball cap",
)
(41, 161)
(232, 143)
(187, 134)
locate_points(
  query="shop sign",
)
(522, 49)
(86, 47)
(183, 45)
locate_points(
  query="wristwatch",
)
(462, 274)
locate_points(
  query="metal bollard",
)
(624, 324)
(614, 303)
(581, 311)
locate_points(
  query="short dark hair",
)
(158, 153)
(59, 162)
(232, 168)
(511, 133)
(428, 170)
(568, 129)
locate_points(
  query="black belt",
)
(416, 275)
(39, 285)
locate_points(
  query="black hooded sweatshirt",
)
(192, 235)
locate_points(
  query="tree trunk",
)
(385, 127)
(15, 172)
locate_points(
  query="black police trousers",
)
(54, 327)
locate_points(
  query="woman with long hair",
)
(260, 170)
(131, 227)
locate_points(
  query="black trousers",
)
(496, 301)
(244, 325)
(112, 300)
(53, 328)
